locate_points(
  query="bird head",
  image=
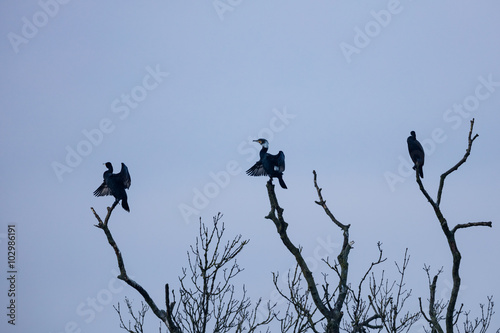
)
(262, 142)
(108, 165)
(412, 133)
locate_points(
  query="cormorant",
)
(416, 153)
(269, 165)
(115, 185)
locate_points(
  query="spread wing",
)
(257, 170)
(125, 176)
(102, 190)
(278, 161)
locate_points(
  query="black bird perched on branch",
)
(416, 153)
(115, 185)
(269, 165)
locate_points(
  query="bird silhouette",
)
(269, 165)
(416, 153)
(115, 185)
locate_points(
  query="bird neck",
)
(108, 172)
(263, 151)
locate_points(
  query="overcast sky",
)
(178, 89)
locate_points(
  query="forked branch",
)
(451, 314)
(471, 139)
(281, 227)
(343, 255)
(332, 313)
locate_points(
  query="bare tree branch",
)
(435, 307)
(456, 166)
(357, 307)
(482, 323)
(322, 203)
(303, 320)
(342, 257)
(166, 317)
(138, 325)
(471, 224)
(388, 301)
(332, 314)
(451, 314)
(281, 227)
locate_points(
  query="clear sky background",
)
(178, 89)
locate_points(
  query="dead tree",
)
(208, 300)
(451, 315)
(326, 302)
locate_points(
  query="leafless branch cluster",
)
(137, 323)
(479, 324)
(207, 294)
(388, 300)
(299, 315)
(383, 308)
(208, 300)
(358, 307)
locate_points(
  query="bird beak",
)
(256, 141)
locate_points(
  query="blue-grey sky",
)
(177, 90)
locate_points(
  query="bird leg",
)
(114, 204)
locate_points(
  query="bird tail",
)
(282, 182)
(125, 204)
